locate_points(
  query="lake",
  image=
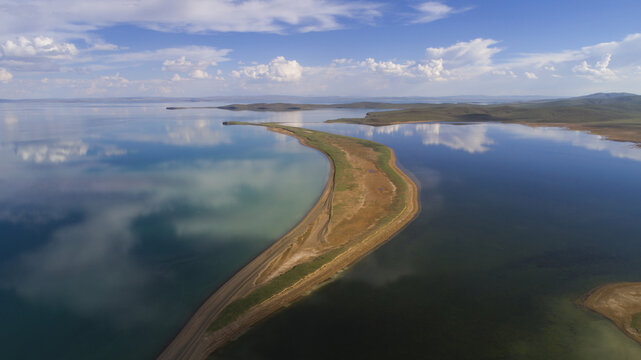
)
(118, 220)
(517, 224)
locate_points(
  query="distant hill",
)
(606, 95)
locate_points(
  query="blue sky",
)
(95, 48)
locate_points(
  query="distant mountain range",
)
(468, 99)
(473, 99)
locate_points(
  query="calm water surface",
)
(117, 221)
(517, 224)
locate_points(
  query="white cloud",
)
(389, 67)
(599, 71)
(178, 65)
(461, 60)
(40, 53)
(203, 58)
(465, 53)
(433, 70)
(433, 10)
(40, 46)
(190, 56)
(601, 62)
(468, 67)
(531, 76)
(5, 76)
(193, 16)
(504, 72)
(199, 74)
(103, 46)
(279, 69)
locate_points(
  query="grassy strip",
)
(343, 181)
(636, 322)
(383, 164)
(232, 311)
(319, 140)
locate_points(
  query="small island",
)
(366, 201)
(620, 303)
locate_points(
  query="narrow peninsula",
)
(366, 201)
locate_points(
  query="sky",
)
(197, 48)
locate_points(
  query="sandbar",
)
(367, 200)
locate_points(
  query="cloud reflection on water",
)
(617, 149)
(477, 138)
(195, 132)
(90, 266)
(470, 138)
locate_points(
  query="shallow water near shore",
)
(517, 224)
(117, 220)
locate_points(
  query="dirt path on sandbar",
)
(366, 201)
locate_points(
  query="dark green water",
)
(517, 224)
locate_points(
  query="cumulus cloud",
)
(5, 76)
(599, 71)
(40, 53)
(40, 46)
(433, 70)
(180, 65)
(461, 60)
(195, 67)
(434, 10)
(440, 71)
(465, 53)
(199, 74)
(194, 16)
(389, 67)
(600, 62)
(279, 69)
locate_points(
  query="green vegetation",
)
(232, 311)
(343, 180)
(318, 139)
(615, 115)
(590, 109)
(298, 107)
(636, 322)
(383, 164)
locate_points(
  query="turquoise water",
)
(517, 224)
(117, 221)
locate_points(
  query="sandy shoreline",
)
(618, 302)
(316, 234)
